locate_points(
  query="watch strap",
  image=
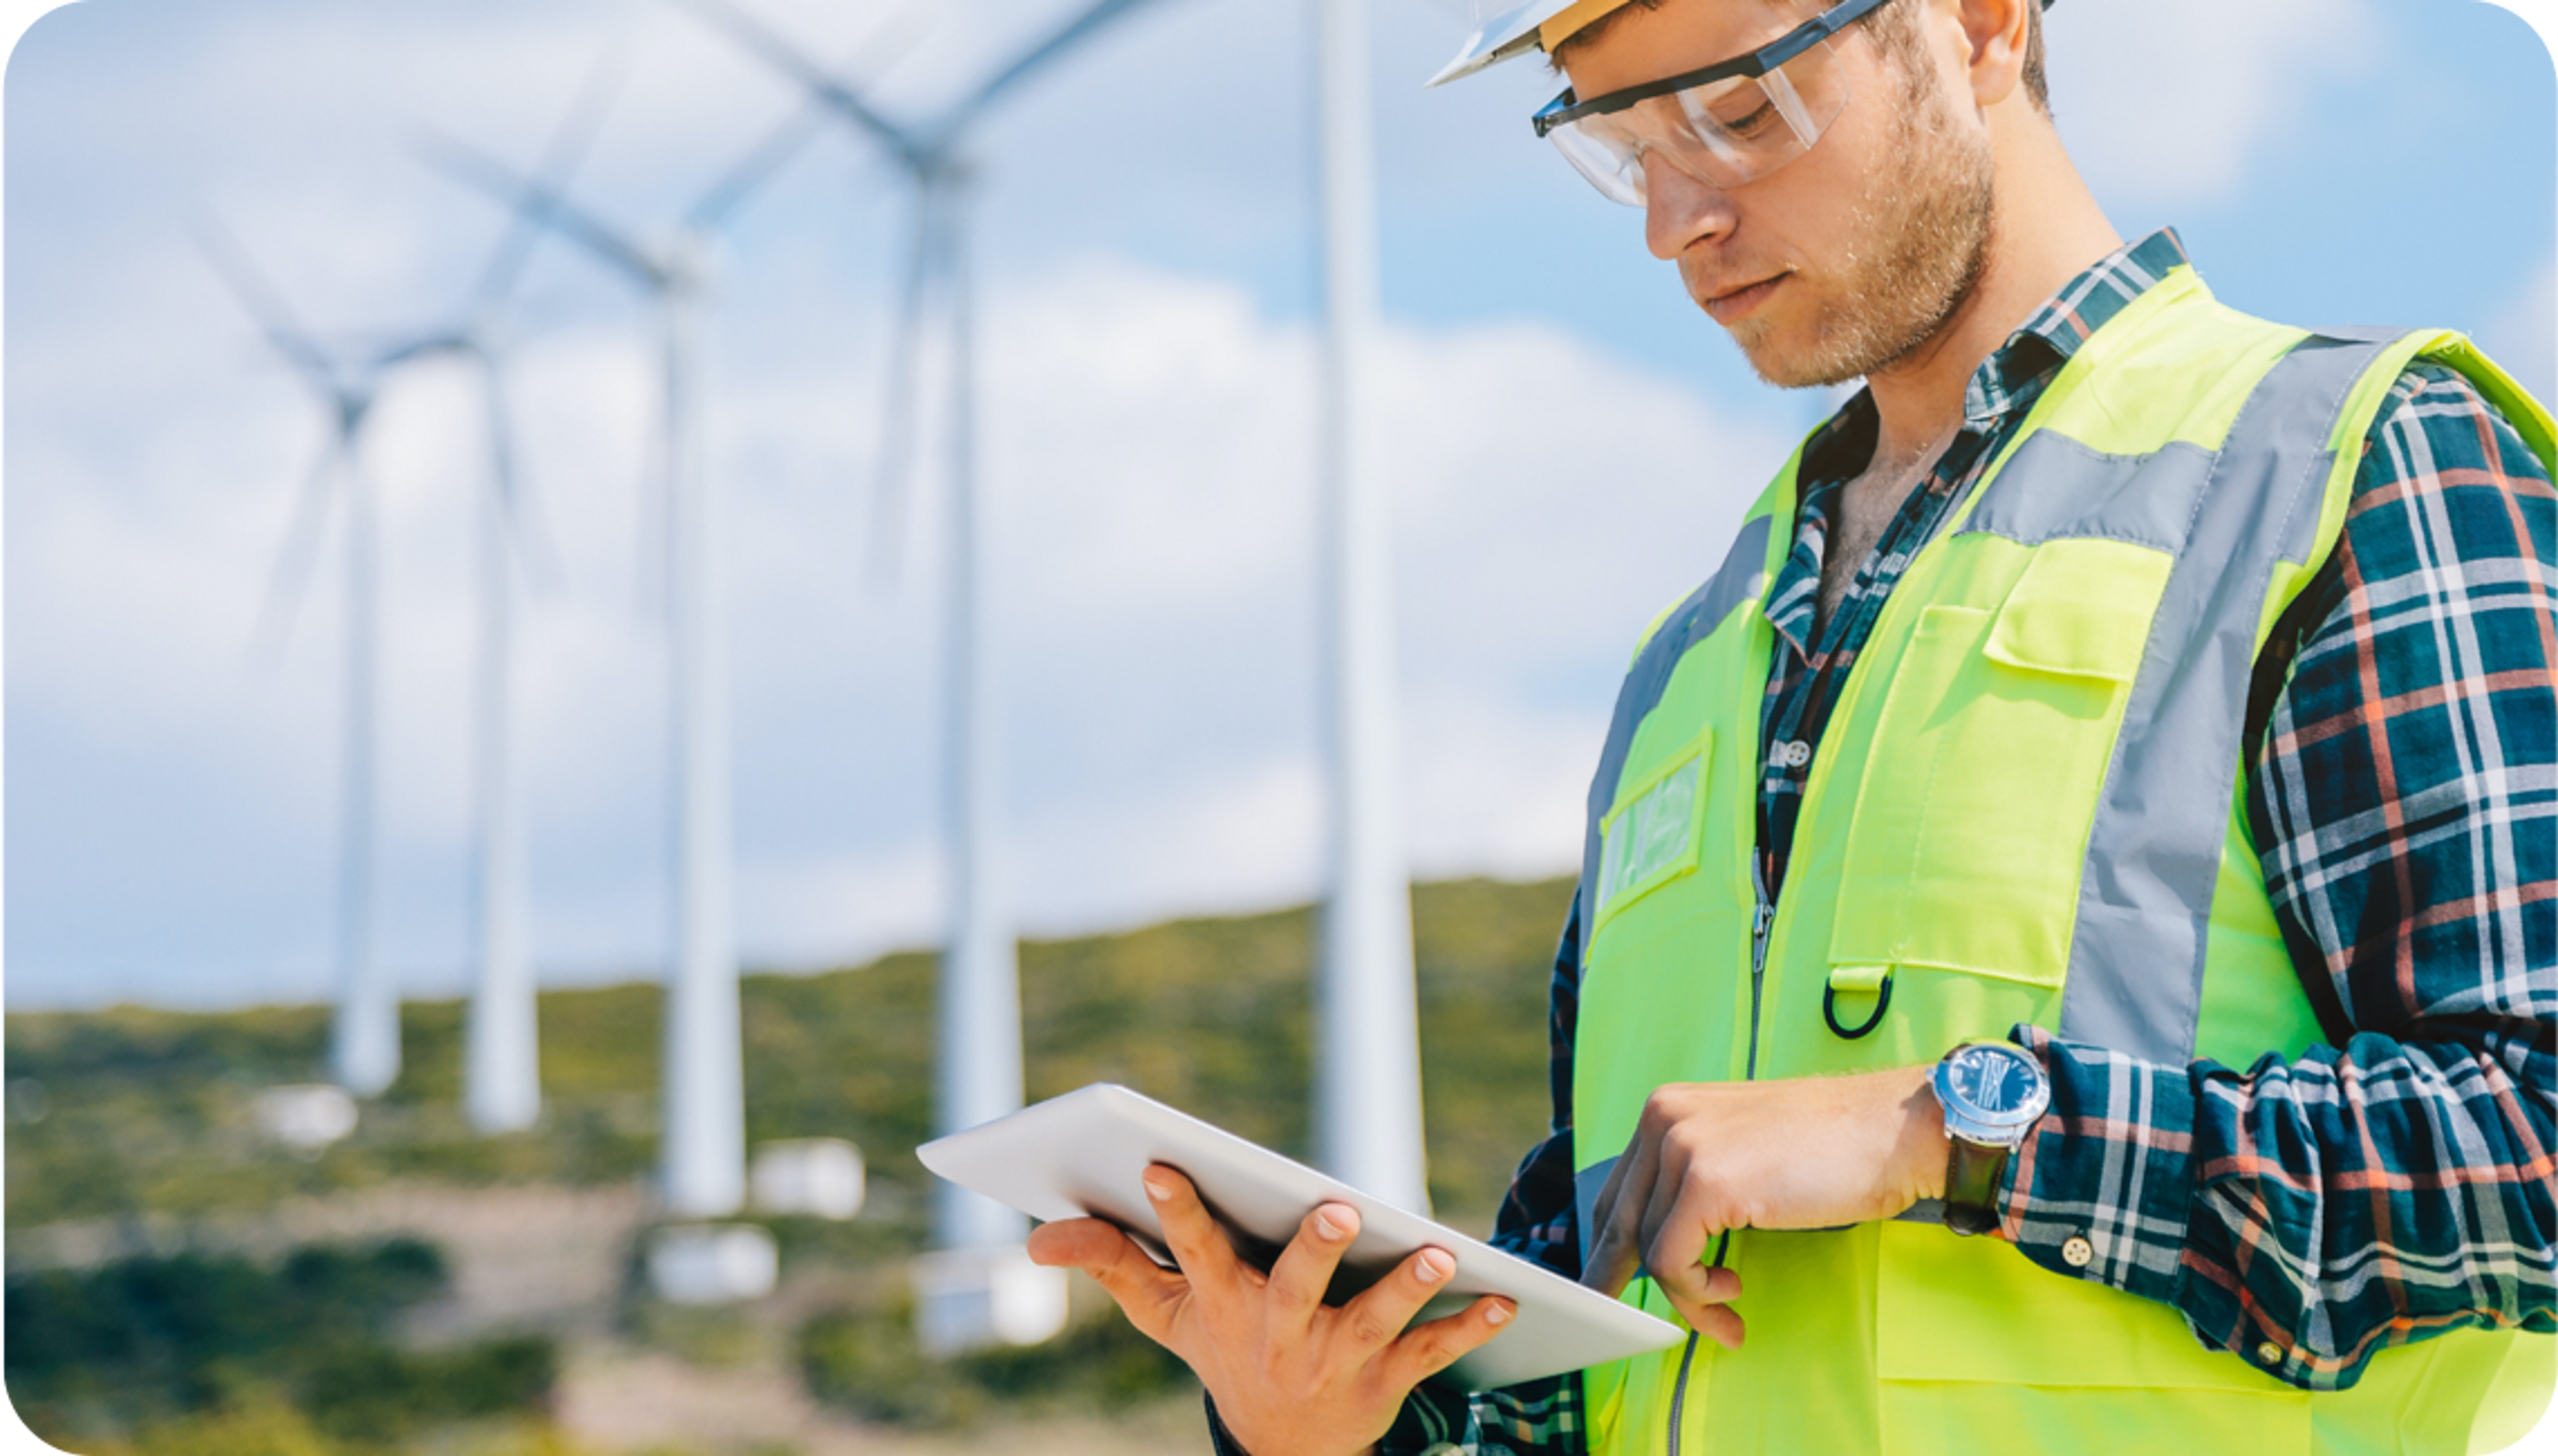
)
(1972, 1174)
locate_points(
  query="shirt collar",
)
(2032, 353)
(2084, 305)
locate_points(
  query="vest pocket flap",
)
(1650, 837)
(2082, 609)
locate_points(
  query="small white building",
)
(821, 1177)
(969, 1298)
(305, 1116)
(712, 1263)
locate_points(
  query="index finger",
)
(1615, 1254)
(1198, 1245)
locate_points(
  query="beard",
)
(1917, 243)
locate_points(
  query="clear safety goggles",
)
(1731, 122)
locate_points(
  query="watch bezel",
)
(1968, 1121)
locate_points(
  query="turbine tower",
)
(704, 1112)
(978, 1049)
(364, 1032)
(1368, 1048)
(501, 1088)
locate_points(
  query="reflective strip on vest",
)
(2145, 904)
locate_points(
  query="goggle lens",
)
(1724, 133)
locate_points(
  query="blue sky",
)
(1570, 443)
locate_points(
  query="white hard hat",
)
(1521, 30)
(1539, 24)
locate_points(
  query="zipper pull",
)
(1762, 917)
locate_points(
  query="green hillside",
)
(133, 1110)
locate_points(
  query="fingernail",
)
(1436, 1267)
(1498, 1314)
(1325, 1229)
(1155, 1190)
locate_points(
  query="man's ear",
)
(1997, 33)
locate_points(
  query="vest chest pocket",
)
(1987, 762)
(1653, 834)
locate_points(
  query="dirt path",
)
(623, 1400)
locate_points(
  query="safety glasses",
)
(1730, 123)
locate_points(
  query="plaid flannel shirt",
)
(2374, 1192)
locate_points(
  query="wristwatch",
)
(1992, 1092)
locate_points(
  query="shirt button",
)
(1793, 755)
(2269, 1353)
(2078, 1253)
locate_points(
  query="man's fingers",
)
(1076, 1243)
(1373, 1320)
(1665, 1228)
(1716, 1322)
(1304, 1267)
(1616, 1249)
(1676, 1237)
(1145, 1290)
(1695, 1287)
(1426, 1349)
(1198, 1245)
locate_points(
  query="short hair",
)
(1894, 27)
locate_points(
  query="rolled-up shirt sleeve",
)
(2396, 1182)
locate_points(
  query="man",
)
(2118, 691)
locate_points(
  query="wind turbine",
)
(978, 1061)
(501, 1087)
(364, 1032)
(1367, 1046)
(704, 1138)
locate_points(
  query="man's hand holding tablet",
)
(1307, 1307)
(1289, 1373)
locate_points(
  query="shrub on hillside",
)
(866, 1361)
(155, 1344)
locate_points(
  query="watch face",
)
(1996, 1080)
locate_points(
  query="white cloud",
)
(1147, 459)
(2166, 103)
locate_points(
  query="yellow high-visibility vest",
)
(2028, 807)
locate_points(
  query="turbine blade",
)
(478, 170)
(884, 48)
(526, 527)
(766, 45)
(291, 580)
(1076, 33)
(568, 147)
(778, 147)
(898, 426)
(284, 334)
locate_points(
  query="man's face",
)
(1851, 257)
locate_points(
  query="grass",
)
(140, 1115)
(148, 1113)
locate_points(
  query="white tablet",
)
(1081, 1154)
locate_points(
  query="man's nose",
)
(1680, 211)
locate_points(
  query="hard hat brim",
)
(1501, 38)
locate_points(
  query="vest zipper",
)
(1678, 1392)
(1761, 918)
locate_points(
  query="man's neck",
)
(2046, 229)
